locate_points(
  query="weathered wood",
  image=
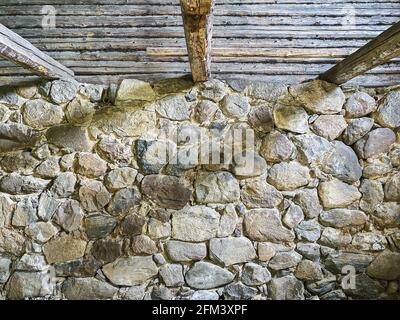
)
(376, 52)
(21, 52)
(198, 24)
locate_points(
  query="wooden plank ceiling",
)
(271, 40)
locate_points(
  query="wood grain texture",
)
(197, 18)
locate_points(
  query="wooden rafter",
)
(198, 23)
(384, 47)
(20, 51)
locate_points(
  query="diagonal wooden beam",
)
(384, 47)
(198, 23)
(20, 51)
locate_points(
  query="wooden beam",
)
(20, 51)
(379, 50)
(198, 23)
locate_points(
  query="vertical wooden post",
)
(198, 23)
(379, 50)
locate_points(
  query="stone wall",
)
(88, 210)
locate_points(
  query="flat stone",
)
(198, 223)
(376, 142)
(132, 225)
(5, 269)
(41, 231)
(392, 188)
(239, 291)
(265, 251)
(88, 289)
(16, 184)
(309, 271)
(166, 191)
(387, 215)
(63, 91)
(308, 230)
(293, 216)
(235, 106)
(22, 285)
(120, 178)
(90, 165)
(385, 266)
(260, 119)
(311, 148)
(337, 194)
(291, 118)
(255, 275)
(47, 205)
(286, 288)
(256, 193)
(107, 250)
(153, 155)
(158, 230)
(308, 200)
(130, 271)
(288, 176)
(7, 207)
(40, 114)
(369, 241)
(319, 96)
(335, 238)
(184, 251)
(342, 163)
(132, 89)
(356, 129)
(25, 212)
(340, 218)
(205, 111)
(114, 151)
(216, 187)
(265, 225)
(173, 108)
(11, 242)
(276, 147)
(64, 248)
(228, 222)
(360, 104)
(213, 90)
(69, 137)
(49, 168)
(366, 288)
(22, 162)
(31, 262)
(84, 267)
(309, 251)
(124, 201)
(64, 185)
(335, 262)
(229, 251)
(265, 90)
(172, 275)
(14, 136)
(387, 114)
(99, 225)
(205, 275)
(204, 295)
(329, 126)
(93, 195)
(69, 215)
(143, 245)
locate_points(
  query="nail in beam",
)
(20, 51)
(384, 47)
(198, 23)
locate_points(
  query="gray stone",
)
(185, 252)
(276, 147)
(64, 248)
(238, 291)
(90, 165)
(311, 148)
(379, 168)
(107, 250)
(309, 271)
(166, 191)
(334, 295)
(235, 106)
(376, 142)
(80, 111)
(69, 215)
(63, 91)
(204, 295)
(257, 193)
(260, 119)
(130, 271)
(248, 165)
(133, 225)
(158, 230)
(21, 161)
(25, 212)
(120, 178)
(286, 288)
(385, 266)
(205, 275)
(228, 221)
(369, 241)
(9, 97)
(99, 225)
(319, 96)
(342, 163)
(22, 285)
(41, 231)
(48, 168)
(134, 293)
(69, 137)
(16, 184)
(114, 151)
(94, 92)
(132, 89)
(366, 288)
(293, 216)
(5, 269)
(309, 251)
(308, 200)
(336, 261)
(40, 114)
(229, 251)
(357, 129)
(7, 207)
(143, 245)
(124, 201)
(47, 206)
(93, 195)
(340, 218)
(322, 286)
(337, 194)
(205, 111)
(213, 90)
(266, 251)
(265, 225)
(172, 275)
(387, 214)
(216, 187)
(88, 289)
(11, 241)
(308, 230)
(387, 114)
(173, 108)
(265, 90)
(198, 223)
(31, 262)
(255, 275)
(14, 136)
(329, 126)
(360, 104)
(291, 118)
(153, 155)
(335, 238)
(288, 175)
(64, 185)
(392, 188)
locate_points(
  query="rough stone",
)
(22, 285)
(159, 230)
(120, 178)
(88, 289)
(308, 230)
(286, 288)
(80, 111)
(11, 242)
(63, 91)
(205, 111)
(340, 218)
(25, 212)
(49, 168)
(64, 248)
(41, 231)
(309, 251)
(387, 214)
(293, 216)
(40, 114)
(229, 251)
(173, 108)
(335, 238)
(392, 188)
(133, 225)
(185, 252)
(311, 148)
(93, 195)
(21, 161)
(172, 275)
(329, 126)
(276, 147)
(216, 187)
(291, 118)
(64, 185)
(387, 114)
(69, 137)
(357, 129)
(376, 142)
(360, 104)
(336, 261)
(16, 184)
(14, 136)
(114, 151)
(288, 175)
(124, 201)
(238, 291)
(5, 268)
(69, 215)
(337, 194)
(235, 106)
(90, 165)
(143, 245)
(205, 275)
(107, 250)
(99, 225)
(385, 266)
(369, 241)
(47, 206)
(132, 89)
(308, 200)
(366, 288)
(309, 271)
(260, 119)
(257, 193)
(213, 90)
(255, 275)
(153, 155)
